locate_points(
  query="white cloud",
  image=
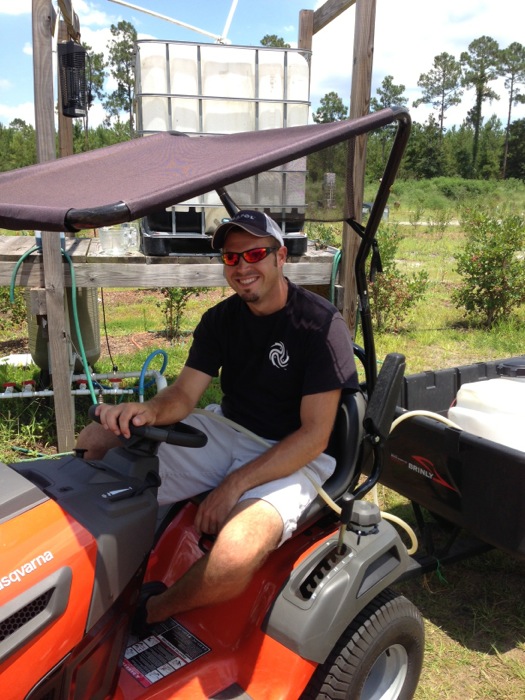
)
(28, 49)
(96, 38)
(90, 15)
(25, 111)
(15, 7)
(96, 115)
(5, 84)
(408, 36)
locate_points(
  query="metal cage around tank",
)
(196, 89)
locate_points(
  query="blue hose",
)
(142, 387)
(145, 368)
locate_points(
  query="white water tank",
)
(495, 408)
(216, 89)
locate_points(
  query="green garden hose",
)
(74, 308)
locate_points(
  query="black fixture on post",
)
(72, 76)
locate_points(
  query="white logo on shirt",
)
(278, 355)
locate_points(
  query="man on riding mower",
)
(284, 355)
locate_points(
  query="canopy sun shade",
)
(129, 180)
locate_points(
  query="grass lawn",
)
(474, 610)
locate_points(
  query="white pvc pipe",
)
(160, 379)
(227, 25)
(160, 382)
(168, 19)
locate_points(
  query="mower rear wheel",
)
(378, 657)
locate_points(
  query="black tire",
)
(378, 657)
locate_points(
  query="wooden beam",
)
(356, 159)
(124, 275)
(96, 270)
(328, 12)
(42, 22)
(306, 29)
(59, 341)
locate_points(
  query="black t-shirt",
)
(268, 363)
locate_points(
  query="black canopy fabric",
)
(129, 180)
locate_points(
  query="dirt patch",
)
(14, 346)
(119, 344)
(127, 344)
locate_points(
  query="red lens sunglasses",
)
(252, 256)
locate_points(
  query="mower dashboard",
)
(17, 494)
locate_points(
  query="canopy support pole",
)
(59, 340)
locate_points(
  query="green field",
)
(475, 610)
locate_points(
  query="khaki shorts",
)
(186, 472)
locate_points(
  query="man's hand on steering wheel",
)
(117, 418)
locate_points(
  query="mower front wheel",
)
(378, 657)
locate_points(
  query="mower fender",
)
(324, 594)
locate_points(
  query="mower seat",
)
(346, 446)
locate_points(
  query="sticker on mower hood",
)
(425, 468)
(29, 567)
(171, 647)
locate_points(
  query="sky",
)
(409, 34)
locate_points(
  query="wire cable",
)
(114, 366)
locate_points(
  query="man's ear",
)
(282, 254)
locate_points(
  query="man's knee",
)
(252, 532)
(96, 441)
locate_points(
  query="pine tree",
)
(441, 86)
(481, 65)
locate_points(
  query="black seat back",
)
(345, 446)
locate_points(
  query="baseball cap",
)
(254, 222)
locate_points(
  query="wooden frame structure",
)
(54, 277)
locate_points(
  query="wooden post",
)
(306, 29)
(59, 340)
(356, 159)
(43, 22)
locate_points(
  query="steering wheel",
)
(175, 434)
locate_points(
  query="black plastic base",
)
(162, 244)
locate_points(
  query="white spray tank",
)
(495, 408)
